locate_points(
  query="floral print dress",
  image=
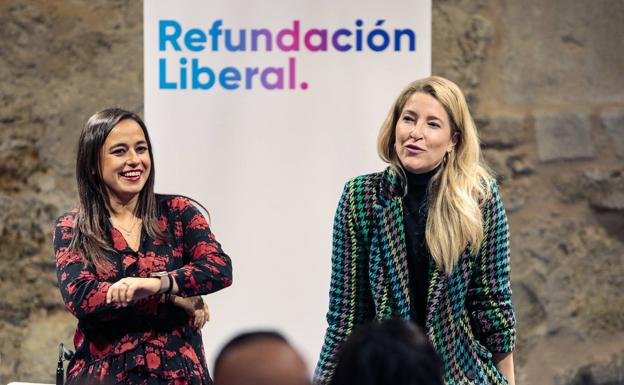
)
(150, 341)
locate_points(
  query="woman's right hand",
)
(195, 307)
(130, 289)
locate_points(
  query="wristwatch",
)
(166, 281)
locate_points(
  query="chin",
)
(413, 168)
(127, 194)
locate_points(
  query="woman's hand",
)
(195, 307)
(131, 289)
(504, 363)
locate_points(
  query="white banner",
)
(262, 111)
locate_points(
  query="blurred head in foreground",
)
(260, 358)
(390, 352)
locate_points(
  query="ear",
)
(453, 142)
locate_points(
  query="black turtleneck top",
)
(418, 257)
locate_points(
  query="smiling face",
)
(125, 163)
(423, 134)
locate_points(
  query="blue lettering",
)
(162, 75)
(163, 25)
(197, 71)
(194, 36)
(229, 78)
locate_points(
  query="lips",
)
(131, 175)
(413, 149)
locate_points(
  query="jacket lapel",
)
(389, 212)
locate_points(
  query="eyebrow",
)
(428, 116)
(126, 145)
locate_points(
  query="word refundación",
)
(196, 75)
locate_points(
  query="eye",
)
(118, 151)
(434, 124)
(407, 118)
(141, 149)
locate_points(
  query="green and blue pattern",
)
(469, 312)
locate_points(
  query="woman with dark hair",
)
(388, 352)
(426, 240)
(131, 264)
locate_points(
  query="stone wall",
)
(545, 81)
(60, 61)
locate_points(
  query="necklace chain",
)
(126, 231)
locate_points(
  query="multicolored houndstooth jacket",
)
(469, 312)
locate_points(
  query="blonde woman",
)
(426, 240)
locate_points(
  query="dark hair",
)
(244, 339)
(389, 352)
(91, 222)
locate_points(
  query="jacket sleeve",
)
(489, 295)
(209, 269)
(349, 294)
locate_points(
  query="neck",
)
(420, 179)
(122, 208)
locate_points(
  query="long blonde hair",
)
(454, 218)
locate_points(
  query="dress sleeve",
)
(489, 295)
(209, 269)
(83, 292)
(82, 289)
(349, 301)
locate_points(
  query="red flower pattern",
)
(128, 260)
(153, 361)
(151, 262)
(78, 366)
(67, 221)
(112, 339)
(198, 222)
(180, 204)
(119, 242)
(202, 249)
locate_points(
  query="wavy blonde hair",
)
(454, 220)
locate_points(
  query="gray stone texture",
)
(543, 78)
(614, 123)
(60, 62)
(497, 160)
(609, 372)
(519, 166)
(563, 136)
(562, 52)
(502, 131)
(461, 35)
(602, 189)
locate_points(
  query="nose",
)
(133, 157)
(417, 130)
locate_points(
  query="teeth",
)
(131, 173)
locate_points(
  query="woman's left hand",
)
(201, 315)
(131, 289)
(195, 307)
